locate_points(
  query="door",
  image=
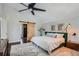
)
(24, 33)
(30, 30)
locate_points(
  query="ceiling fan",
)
(31, 7)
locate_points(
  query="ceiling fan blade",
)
(23, 4)
(33, 12)
(38, 9)
(22, 10)
(32, 4)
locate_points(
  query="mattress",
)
(27, 49)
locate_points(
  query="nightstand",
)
(73, 46)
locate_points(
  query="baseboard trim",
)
(14, 43)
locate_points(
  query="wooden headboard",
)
(65, 35)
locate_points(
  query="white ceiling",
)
(54, 11)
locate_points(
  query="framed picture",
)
(53, 27)
(60, 27)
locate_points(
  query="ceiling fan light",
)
(30, 9)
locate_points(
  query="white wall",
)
(62, 13)
(74, 25)
(0, 21)
(3, 28)
(0, 10)
(14, 26)
(3, 23)
(0, 18)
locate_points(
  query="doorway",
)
(24, 33)
(28, 31)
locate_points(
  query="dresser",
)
(73, 46)
(3, 47)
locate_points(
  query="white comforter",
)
(47, 43)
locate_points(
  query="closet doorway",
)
(28, 31)
(24, 33)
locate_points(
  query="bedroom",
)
(61, 18)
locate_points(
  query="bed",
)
(43, 46)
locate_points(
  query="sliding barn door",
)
(30, 30)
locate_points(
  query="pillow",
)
(46, 43)
(51, 35)
(59, 35)
(54, 35)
